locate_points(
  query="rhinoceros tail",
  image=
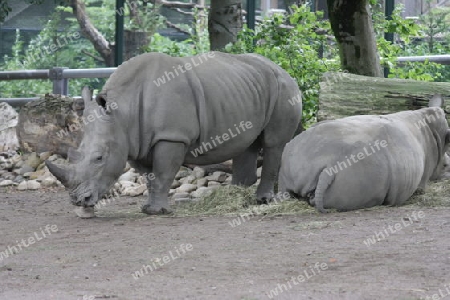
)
(325, 179)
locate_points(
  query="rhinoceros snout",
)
(85, 200)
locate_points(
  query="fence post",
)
(60, 84)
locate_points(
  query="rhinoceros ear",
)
(436, 101)
(102, 101)
(74, 156)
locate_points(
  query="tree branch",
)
(176, 4)
(101, 45)
(178, 28)
(100, 59)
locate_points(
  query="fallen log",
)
(343, 94)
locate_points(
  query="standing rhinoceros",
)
(363, 161)
(197, 110)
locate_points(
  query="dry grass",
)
(436, 194)
(233, 200)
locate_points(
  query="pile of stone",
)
(189, 184)
(28, 172)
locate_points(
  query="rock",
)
(198, 172)
(228, 180)
(134, 191)
(202, 192)
(33, 160)
(48, 182)
(7, 183)
(9, 176)
(16, 158)
(126, 184)
(175, 184)
(37, 174)
(44, 155)
(23, 186)
(130, 175)
(186, 188)
(85, 212)
(19, 164)
(8, 123)
(183, 172)
(25, 169)
(187, 179)
(6, 163)
(217, 176)
(145, 193)
(53, 157)
(213, 183)
(49, 124)
(33, 185)
(29, 185)
(141, 180)
(41, 166)
(180, 195)
(202, 182)
(182, 201)
(258, 172)
(19, 179)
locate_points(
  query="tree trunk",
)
(225, 21)
(342, 95)
(134, 41)
(351, 22)
(51, 123)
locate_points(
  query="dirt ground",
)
(307, 256)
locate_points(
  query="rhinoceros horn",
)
(61, 172)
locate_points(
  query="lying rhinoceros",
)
(363, 161)
(159, 112)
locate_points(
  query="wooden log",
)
(343, 94)
(51, 123)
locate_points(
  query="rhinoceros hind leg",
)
(167, 160)
(244, 166)
(270, 168)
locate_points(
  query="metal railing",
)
(60, 76)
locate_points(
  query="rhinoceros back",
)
(194, 99)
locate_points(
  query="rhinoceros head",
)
(100, 158)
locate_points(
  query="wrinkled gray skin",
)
(388, 176)
(155, 127)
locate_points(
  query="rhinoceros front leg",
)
(270, 168)
(244, 167)
(167, 160)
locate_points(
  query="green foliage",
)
(293, 43)
(5, 9)
(51, 48)
(413, 39)
(197, 43)
(149, 19)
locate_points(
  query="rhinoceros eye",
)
(99, 158)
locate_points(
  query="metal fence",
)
(60, 76)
